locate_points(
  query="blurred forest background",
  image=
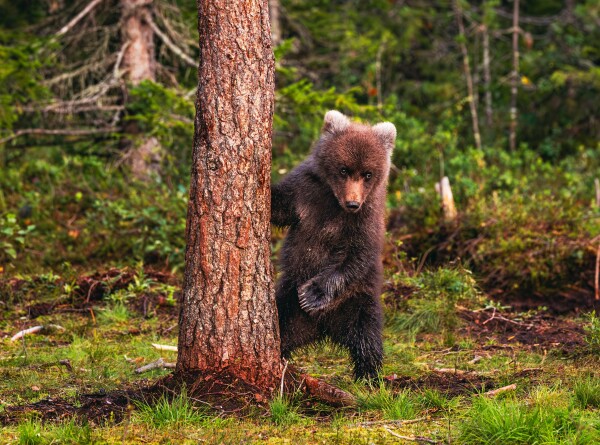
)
(96, 124)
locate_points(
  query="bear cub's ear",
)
(386, 133)
(335, 122)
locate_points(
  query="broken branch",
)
(65, 29)
(160, 363)
(45, 329)
(495, 392)
(167, 41)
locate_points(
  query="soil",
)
(448, 383)
(94, 408)
(541, 330)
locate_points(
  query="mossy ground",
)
(436, 370)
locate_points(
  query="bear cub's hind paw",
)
(312, 297)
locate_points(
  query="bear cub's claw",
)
(312, 297)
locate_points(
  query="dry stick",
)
(167, 41)
(393, 422)
(65, 29)
(467, 69)
(487, 77)
(515, 78)
(282, 378)
(411, 439)
(165, 347)
(43, 132)
(36, 329)
(495, 392)
(160, 363)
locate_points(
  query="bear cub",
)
(330, 263)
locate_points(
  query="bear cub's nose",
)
(352, 205)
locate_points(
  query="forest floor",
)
(75, 381)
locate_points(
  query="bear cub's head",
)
(354, 159)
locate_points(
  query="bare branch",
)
(167, 41)
(65, 29)
(64, 132)
(68, 108)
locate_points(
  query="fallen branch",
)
(495, 392)
(392, 422)
(45, 132)
(327, 393)
(160, 363)
(45, 329)
(411, 438)
(65, 29)
(507, 320)
(165, 347)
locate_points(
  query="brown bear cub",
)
(331, 271)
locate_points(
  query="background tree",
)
(228, 317)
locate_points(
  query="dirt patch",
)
(448, 383)
(542, 330)
(95, 408)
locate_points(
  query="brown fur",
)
(334, 204)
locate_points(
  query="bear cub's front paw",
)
(312, 297)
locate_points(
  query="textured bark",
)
(138, 36)
(143, 155)
(468, 77)
(228, 318)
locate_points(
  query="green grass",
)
(171, 413)
(283, 412)
(393, 405)
(512, 421)
(587, 392)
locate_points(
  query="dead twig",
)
(417, 439)
(65, 132)
(393, 422)
(507, 320)
(167, 41)
(160, 363)
(495, 392)
(165, 347)
(45, 329)
(85, 11)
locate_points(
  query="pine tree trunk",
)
(143, 154)
(228, 318)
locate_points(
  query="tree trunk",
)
(467, 70)
(228, 320)
(514, 88)
(143, 154)
(274, 13)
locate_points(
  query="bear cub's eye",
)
(368, 175)
(343, 171)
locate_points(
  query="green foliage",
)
(393, 405)
(508, 421)
(12, 237)
(433, 306)
(30, 433)
(587, 392)
(593, 332)
(283, 411)
(176, 413)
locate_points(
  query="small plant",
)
(592, 337)
(433, 399)
(71, 433)
(587, 392)
(394, 406)
(117, 313)
(283, 412)
(177, 412)
(12, 237)
(30, 433)
(433, 306)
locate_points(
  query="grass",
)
(560, 404)
(177, 412)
